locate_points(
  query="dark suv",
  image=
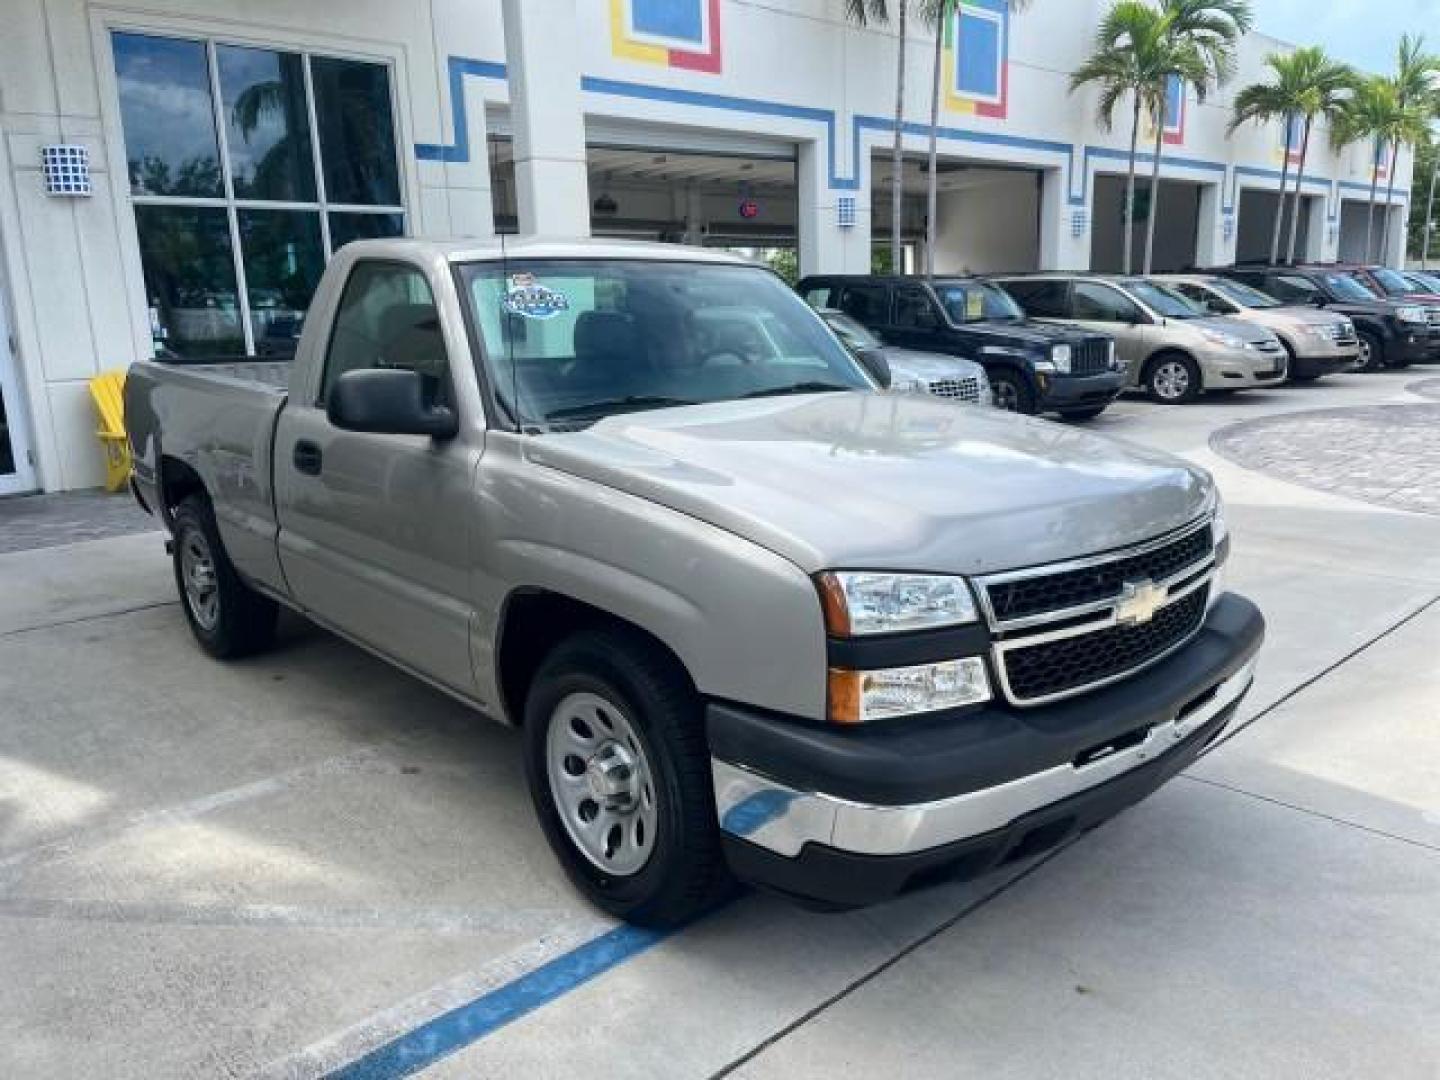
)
(1392, 332)
(1033, 367)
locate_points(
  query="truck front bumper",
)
(1067, 393)
(845, 818)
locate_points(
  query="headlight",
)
(1220, 337)
(1220, 537)
(1060, 357)
(857, 697)
(860, 603)
(1322, 333)
(1410, 314)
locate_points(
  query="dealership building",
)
(175, 173)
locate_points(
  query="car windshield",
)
(1243, 294)
(1425, 282)
(1162, 300)
(1346, 287)
(849, 331)
(976, 302)
(1394, 284)
(567, 343)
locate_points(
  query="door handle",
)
(308, 458)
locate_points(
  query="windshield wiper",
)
(630, 403)
(798, 388)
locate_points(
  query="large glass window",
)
(248, 168)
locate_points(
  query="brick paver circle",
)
(1384, 454)
(1426, 388)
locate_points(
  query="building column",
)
(543, 68)
(1212, 246)
(1064, 226)
(694, 215)
(1397, 235)
(1319, 245)
(826, 245)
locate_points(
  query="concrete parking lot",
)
(308, 863)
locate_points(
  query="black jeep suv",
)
(1033, 367)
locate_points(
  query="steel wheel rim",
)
(1006, 396)
(1366, 355)
(197, 571)
(601, 783)
(1171, 380)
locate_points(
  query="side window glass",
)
(866, 304)
(1290, 287)
(914, 310)
(1040, 299)
(818, 296)
(1204, 297)
(1100, 303)
(387, 319)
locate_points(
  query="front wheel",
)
(1173, 379)
(1372, 352)
(619, 773)
(1012, 393)
(228, 618)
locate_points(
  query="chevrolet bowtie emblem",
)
(1138, 602)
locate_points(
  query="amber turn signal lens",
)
(834, 606)
(843, 696)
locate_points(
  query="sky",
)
(1360, 32)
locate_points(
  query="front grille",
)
(965, 389)
(1432, 316)
(1090, 357)
(1042, 593)
(1054, 667)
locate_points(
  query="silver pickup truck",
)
(755, 618)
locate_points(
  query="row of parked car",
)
(1070, 343)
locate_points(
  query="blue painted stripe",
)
(459, 150)
(467, 1024)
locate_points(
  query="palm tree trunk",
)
(932, 178)
(897, 153)
(1299, 179)
(1154, 192)
(1370, 210)
(1389, 207)
(1129, 208)
(1429, 215)
(1280, 203)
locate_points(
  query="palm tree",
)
(862, 13)
(1374, 112)
(1203, 35)
(1132, 54)
(1415, 92)
(1307, 84)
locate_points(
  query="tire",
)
(1083, 414)
(1012, 392)
(1372, 352)
(1172, 379)
(228, 618)
(639, 743)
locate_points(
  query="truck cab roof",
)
(532, 247)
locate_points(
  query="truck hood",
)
(887, 481)
(1022, 332)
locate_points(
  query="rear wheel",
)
(1372, 352)
(1012, 393)
(619, 773)
(228, 618)
(1173, 379)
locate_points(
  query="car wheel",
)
(1372, 352)
(1012, 393)
(619, 772)
(228, 618)
(1173, 379)
(1083, 414)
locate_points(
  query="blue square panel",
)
(1174, 102)
(978, 73)
(677, 20)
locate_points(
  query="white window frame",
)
(973, 11)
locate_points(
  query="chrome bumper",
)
(784, 820)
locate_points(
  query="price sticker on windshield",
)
(529, 299)
(974, 305)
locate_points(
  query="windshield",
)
(569, 342)
(1162, 300)
(1243, 294)
(1346, 287)
(855, 336)
(1394, 284)
(977, 301)
(1425, 282)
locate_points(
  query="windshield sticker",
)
(974, 306)
(529, 299)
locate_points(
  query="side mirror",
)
(388, 401)
(874, 362)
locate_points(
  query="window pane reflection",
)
(283, 261)
(347, 227)
(357, 131)
(190, 279)
(267, 129)
(167, 113)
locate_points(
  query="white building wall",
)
(989, 227)
(790, 72)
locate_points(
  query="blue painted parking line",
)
(471, 1022)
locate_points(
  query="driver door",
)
(375, 528)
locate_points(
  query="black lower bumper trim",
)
(826, 877)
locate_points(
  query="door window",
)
(1215, 305)
(914, 310)
(1292, 288)
(387, 319)
(866, 304)
(1040, 299)
(1100, 303)
(819, 296)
